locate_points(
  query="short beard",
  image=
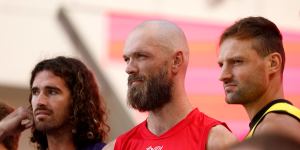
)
(52, 125)
(154, 93)
(49, 128)
(245, 95)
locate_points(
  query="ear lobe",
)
(275, 62)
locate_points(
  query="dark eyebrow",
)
(231, 59)
(237, 57)
(141, 52)
(34, 88)
(48, 88)
(136, 53)
(53, 88)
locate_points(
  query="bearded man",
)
(157, 54)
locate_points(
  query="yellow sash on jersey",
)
(285, 107)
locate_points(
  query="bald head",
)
(162, 34)
(156, 54)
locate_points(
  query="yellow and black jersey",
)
(281, 106)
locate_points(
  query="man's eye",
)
(237, 61)
(34, 92)
(52, 92)
(141, 56)
(126, 59)
(220, 65)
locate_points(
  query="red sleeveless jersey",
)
(191, 133)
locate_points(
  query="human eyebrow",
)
(138, 54)
(237, 60)
(53, 89)
(142, 53)
(233, 58)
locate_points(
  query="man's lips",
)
(133, 82)
(229, 87)
(135, 79)
(42, 112)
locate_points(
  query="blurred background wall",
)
(94, 31)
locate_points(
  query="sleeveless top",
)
(277, 106)
(189, 134)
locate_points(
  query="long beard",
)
(151, 94)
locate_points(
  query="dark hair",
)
(10, 142)
(88, 115)
(266, 36)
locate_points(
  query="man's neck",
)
(271, 94)
(60, 139)
(161, 120)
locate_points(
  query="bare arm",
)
(281, 124)
(15, 122)
(220, 138)
(110, 145)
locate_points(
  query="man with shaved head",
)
(157, 55)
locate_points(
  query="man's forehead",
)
(139, 50)
(235, 47)
(141, 45)
(46, 77)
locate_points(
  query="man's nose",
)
(131, 67)
(42, 99)
(225, 74)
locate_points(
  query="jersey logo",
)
(155, 148)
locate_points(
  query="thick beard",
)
(152, 94)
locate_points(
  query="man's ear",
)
(274, 62)
(177, 62)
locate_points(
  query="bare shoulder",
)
(220, 137)
(110, 145)
(279, 123)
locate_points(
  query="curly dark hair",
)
(88, 114)
(11, 141)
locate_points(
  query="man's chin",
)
(42, 128)
(147, 109)
(231, 101)
(42, 125)
(144, 109)
(141, 109)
